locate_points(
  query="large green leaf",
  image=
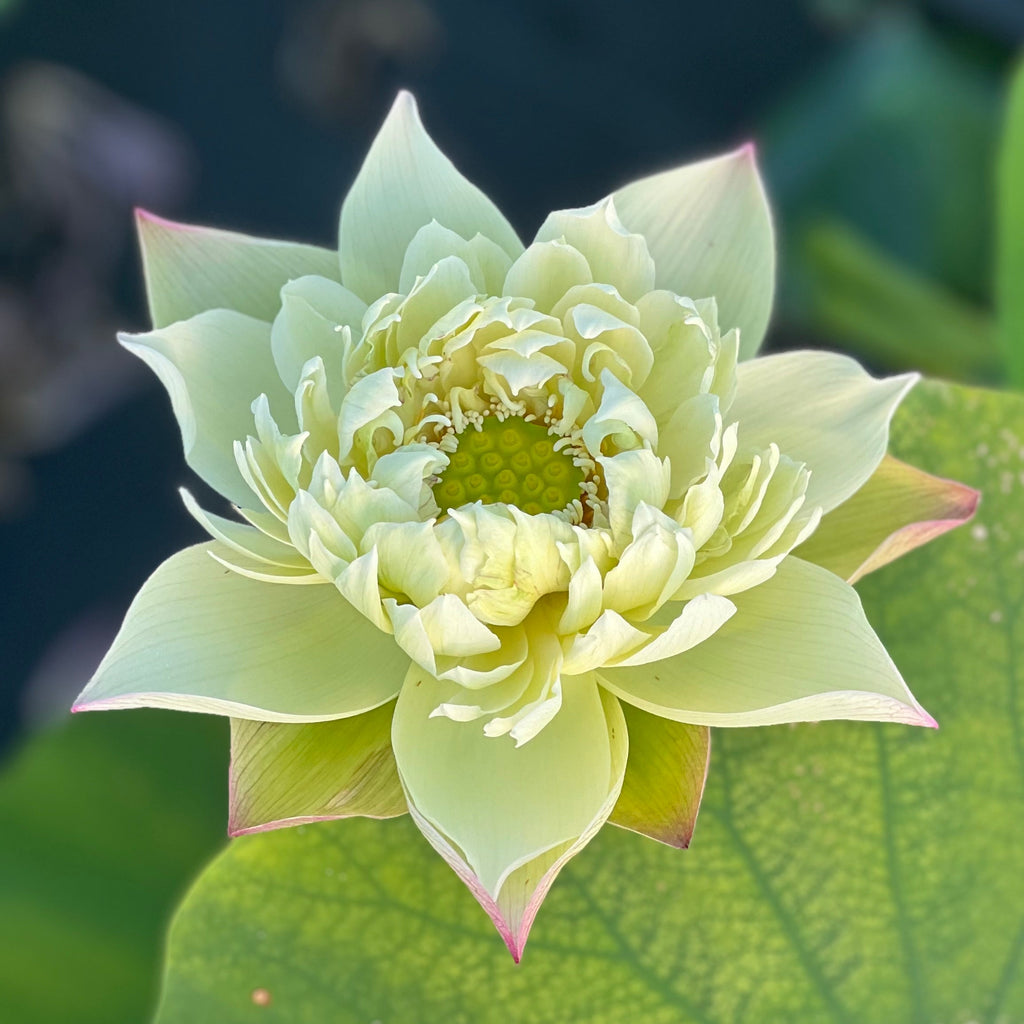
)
(839, 872)
(102, 822)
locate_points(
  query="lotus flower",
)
(512, 526)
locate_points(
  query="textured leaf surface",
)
(840, 872)
(102, 823)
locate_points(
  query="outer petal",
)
(288, 774)
(491, 808)
(798, 649)
(199, 637)
(404, 183)
(898, 509)
(665, 775)
(191, 269)
(213, 366)
(709, 230)
(822, 409)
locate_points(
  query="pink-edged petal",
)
(191, 269)
(898, 509)
(200, 637)
(508, 818)
(290, 774)
(798, 649)
(665, 776)
(709, 229)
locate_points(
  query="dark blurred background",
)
(877, 125)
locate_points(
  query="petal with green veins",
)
(191, 269)
(665, 775)
(799, 649)
(213, 366)
(493, 809)
(709, 230)
(898, 509)
(821, 409)
(199, 637)
(285, 773)
(405, 183)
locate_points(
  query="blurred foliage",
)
(882, 165)
(891, 315)
(895, 134)
(103, 821)
(845, 871)
(1010, 277)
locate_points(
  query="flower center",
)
(511, 461)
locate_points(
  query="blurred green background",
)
(878, 127)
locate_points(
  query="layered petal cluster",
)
(512, 525)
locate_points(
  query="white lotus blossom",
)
(512, 525)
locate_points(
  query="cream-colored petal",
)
(498, 804)
(192, 269)
(368, 399)
(406, 182)
(313, 314)
(545, 272)
(199, 637)
(213, 366)
(684, 352)
(709, 229)
(691, 437)
(246, 540)
(821, 409)
(407, 470)
(410, 560)
(651, 568)
(622, 420)
(443, 629)
(615, 255)
(798, 649)
(632, 478)
(486, 261)
(524, 888)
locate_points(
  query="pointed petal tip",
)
(970, 499)
(405, 111)
(909, 380)
(146, 218)
(84, 703)
(405, 99)
(748, 151)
